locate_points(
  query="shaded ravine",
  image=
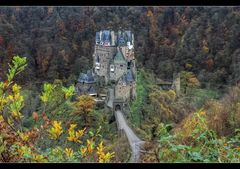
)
(134, 142)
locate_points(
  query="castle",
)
(114, 62)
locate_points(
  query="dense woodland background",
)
(201, 43)
(59, 41)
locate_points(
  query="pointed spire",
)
(119, 56)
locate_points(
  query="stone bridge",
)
(134, 142)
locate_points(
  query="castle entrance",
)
(117, 107)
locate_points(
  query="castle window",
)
(121, 65)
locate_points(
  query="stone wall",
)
(134, 92)
(105, 54)
(120, 69)
(122, 91)
(82, 88)
(127, 53)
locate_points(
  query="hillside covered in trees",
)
(58, 41)
(44, 49)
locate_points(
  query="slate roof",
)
(128, 77)
(106, 36)
(98, 37)
(122, 37)
(119, 57)
(86, 78)
(91, 90)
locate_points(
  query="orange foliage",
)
(210, 64)
(35, 116)
(149, 13)
(1, 40)
(10, 48)
(50, 10)
(84, 105)
(46, 121)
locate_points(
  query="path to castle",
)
(133, 140)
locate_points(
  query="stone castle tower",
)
(114, 61)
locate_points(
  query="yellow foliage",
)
(24, 136)
(85, 104)
(10, 98)
(1, 118)
(16, 88)
(196, 120)
(83, 151)
(38, 158)
(205, 46)
(149, 13)
(69, 152)
(205, 49)
(102, 156)
(202, 113)
(44, 98)
(188, 65)
(56, 130)
(80, 133)
(3, 102)
(75, 135)
(16, 102)
(90, 147)
(193, 81)
(172, 94)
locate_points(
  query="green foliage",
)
(48, 137)
(68, 92)
(2, 144)
(162, 101)
(47, 91)
(194, 142)
(200, 96)
(11, 101)
(138, 103)
(224, 114)
(17, 66)
(188, 80)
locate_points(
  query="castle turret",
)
(98, 38)
(112, 38)
(100, 35)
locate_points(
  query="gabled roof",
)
(106, 35)
(86, 78)
(127, 77)
(97, 36)
(114, 38)
(91, 90)
(119, 57)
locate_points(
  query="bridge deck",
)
(133, 140)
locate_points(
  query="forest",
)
(44, 49)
